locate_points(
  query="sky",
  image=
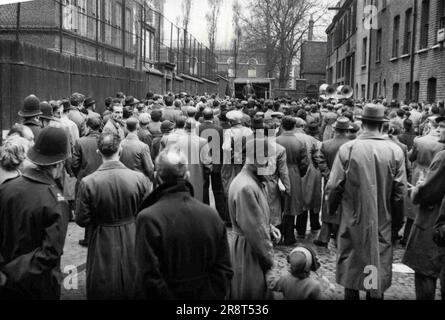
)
(198, 25)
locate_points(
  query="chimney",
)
(310, 36)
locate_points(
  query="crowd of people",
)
(140, 178)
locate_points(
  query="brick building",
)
(342, 45)
(245, 68)
(130, 33)
(313, 66)
(399, 49)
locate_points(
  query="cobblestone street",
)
(402, 284)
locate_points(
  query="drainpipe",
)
(413, 51)
(368, 87)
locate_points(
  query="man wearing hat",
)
(422, 154)
(30, 114)
(90, 107)
(34, 217)
(329, 119)
(144, 133)
(297, 163)
(234, 141)
(328, 152)
(367, 179)
(251, 246)
(424, 253)
(47, 117)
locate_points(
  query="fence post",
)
(61, 27)
(97, 30)
(124, 9)
(17, 35)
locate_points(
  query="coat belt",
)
(116, 223)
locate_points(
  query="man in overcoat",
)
(108, 201)
(328, 152)
(367, 179)
(34, 219)
(423, 255)
(182, 251)
(297, 163)
(251, 248)
(86, 159)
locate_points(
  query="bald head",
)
(171, 165)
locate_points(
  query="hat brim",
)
(372, 119)
(440, 119)
(46, 117)
(44, 160)
(91, 103)
(342, 128)
(29, 114)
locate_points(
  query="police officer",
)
(33, 223)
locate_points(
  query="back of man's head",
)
(168, 100)
(109, 144)
(400, 113)
(435, 110)
(171, 165)
(132, 124)
(288, 123)
(94, 123)
(180, 122)
(207, 114)
(156, 115)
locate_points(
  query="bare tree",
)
(212, 21)
(277, 29)
(186, 9)
(237, 26)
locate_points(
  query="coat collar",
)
(132, 136)
(111, 166)
(371, 135)
(32, 122)
(37, 175)
(179, 186)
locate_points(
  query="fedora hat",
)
(342, 123)
(50, 148)
(131, 101)
(89, 102)
(31, 107)
(313, 128)
(373, 112)
(47, 111)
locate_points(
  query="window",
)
(107, 20)
(395, 91)
(375, 90)
(365, 51)
(416, 90)
(425, 24)
(408, 31)
(395, 37)
(432, 90)
(363, 91)
(354, 17)
(118, 23)
(407, 91)
(441, 14)
(383, 93)
(378, 54)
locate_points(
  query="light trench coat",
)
(368, 178)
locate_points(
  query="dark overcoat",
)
(422, 254)
(108, 201)
(33, 224)
(181, 247)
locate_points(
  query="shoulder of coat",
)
(57, 194)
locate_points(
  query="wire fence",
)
(131, 33)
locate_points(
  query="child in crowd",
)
(297, 284)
